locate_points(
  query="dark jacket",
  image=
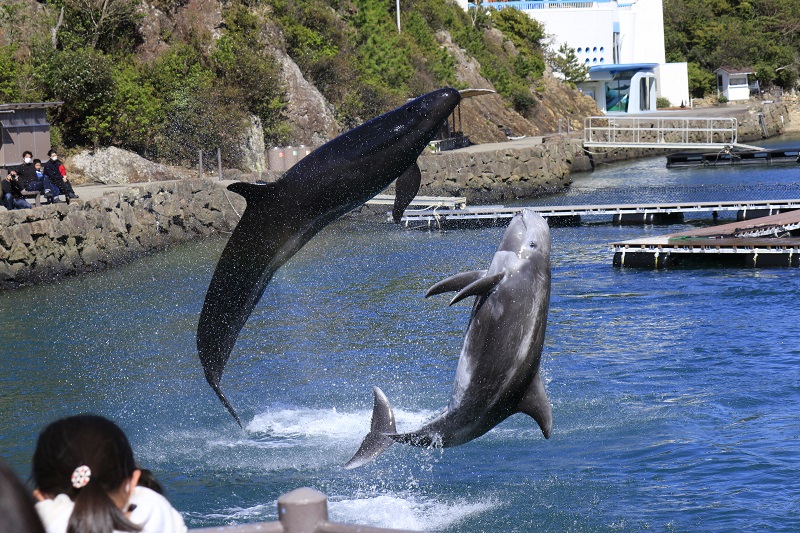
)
(12, 187)
(50, 169)
(27, 174)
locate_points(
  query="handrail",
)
(529, 5)
(662, 132)
(303, 510)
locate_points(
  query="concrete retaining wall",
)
(512, 171)
(56, 240)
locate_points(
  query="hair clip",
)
(81, 476)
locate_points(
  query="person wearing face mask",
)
(57, 174)
(27, 173)
(31, 181)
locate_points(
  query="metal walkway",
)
(663, 132)
(631, 213)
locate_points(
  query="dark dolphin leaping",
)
(498, 369)
(282, 216)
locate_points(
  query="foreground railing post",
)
(302, 509)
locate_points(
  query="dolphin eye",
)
(532, 244)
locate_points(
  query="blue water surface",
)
(675, 393)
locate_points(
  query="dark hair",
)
(96, 442)
(37, 161)
(17, 511)
(27, 152)
(50, 152)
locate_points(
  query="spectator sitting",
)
(87, 481)
(51, 196)
(26, 172)
(16, 505)
(32, 179)
(12, 193)
(57, 174)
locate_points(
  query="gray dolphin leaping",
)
(282, 216)
(498, 369)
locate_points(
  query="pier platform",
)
(769, 241)
(653, 213)
(733, 157)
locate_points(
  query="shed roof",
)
(10, 108)
(731, 70)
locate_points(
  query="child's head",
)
(88, 458)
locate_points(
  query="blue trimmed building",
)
(622, 43)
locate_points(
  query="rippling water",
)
(675, 393)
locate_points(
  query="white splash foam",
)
(406, 512)
(327, 423)
(396, 511)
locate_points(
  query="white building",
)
(732, 83)
(622, 43)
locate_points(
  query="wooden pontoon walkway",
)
(433, 217)
(762, 242)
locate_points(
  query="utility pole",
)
(398, 15)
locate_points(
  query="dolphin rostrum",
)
(498, 369)
(282, 216)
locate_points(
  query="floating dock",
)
(655, 213)
(422, 202)
(734, 157)
(763, 242)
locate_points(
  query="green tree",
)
(241, 60)
(566, 62)
(9, 72)
(83, 79)
(108, 25)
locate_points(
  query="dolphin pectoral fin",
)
(455, 282)
(406, 188)
(377, 440)
(479, 287)
(536, 405)
(254, 193)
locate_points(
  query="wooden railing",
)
(303, 510)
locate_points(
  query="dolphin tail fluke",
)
(225, 401)
(378, 439)
(536, 405)
(406, 188)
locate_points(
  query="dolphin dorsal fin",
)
(254, 192)
(405, 189)
(479, 287)
(456, 282)
(536, 405)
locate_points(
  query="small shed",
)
(23, 127)
(732, 83)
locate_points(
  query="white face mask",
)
(54, 157)
(27, 160)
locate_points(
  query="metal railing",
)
(302, 510)
(656, 132)
(531, 5)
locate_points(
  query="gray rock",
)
(114, 165)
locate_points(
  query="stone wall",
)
(512, 171)
(53, 241)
